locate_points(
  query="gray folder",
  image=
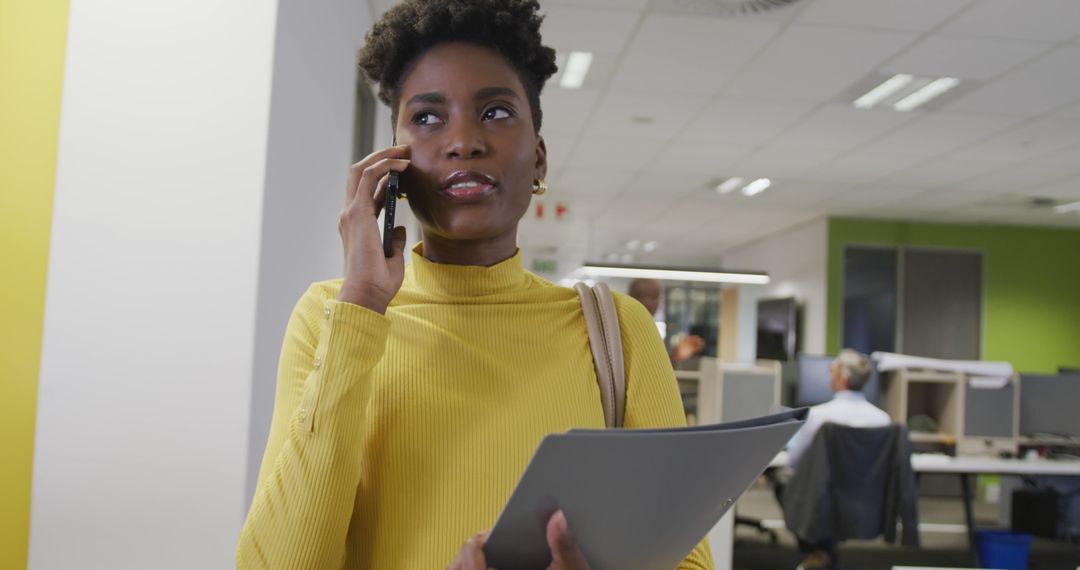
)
(634, 499)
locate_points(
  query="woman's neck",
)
(482, 252)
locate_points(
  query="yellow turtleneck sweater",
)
(396, 438)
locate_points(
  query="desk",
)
(966, 466)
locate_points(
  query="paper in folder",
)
(635, 499)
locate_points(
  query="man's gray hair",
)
(855, 366)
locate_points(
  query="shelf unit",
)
(946, 397)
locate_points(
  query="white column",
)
(202, 146)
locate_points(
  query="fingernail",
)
(560, 520)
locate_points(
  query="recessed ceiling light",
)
(756, 187)
(649, 246)
(612, 257)
(928, 92)
(633, 244)
(729, 185)
(577, 66)
(1066, 208)
(883, 91)
(626, 258)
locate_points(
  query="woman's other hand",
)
(564, 549)
(371, 278)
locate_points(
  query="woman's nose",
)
(466, 140)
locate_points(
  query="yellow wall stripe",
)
(33, 34)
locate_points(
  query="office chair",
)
(853, 483)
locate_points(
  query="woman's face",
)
(474, 152)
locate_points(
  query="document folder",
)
(635, 499)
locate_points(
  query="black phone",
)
(393, 187)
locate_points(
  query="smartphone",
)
(393, 187)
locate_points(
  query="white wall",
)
(308, 155)
(191, 210)
(796, 261)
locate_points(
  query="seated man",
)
(849, 374)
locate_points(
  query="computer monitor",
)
(815, 381)
(1046, 405)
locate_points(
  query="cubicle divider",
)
(716, 391)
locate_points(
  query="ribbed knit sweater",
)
(396, 438)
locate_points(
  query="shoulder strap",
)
(605, 340)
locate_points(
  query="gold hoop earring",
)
(539, 187)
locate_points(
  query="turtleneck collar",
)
(467, 280)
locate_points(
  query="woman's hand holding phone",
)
(371, 278)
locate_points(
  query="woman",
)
(409, 401)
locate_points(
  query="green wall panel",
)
(1031, 312)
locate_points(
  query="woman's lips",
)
(468, 191)
(468, 185)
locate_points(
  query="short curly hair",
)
(509, 27)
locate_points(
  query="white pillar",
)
(202, 154)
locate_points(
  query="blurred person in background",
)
(648, 292)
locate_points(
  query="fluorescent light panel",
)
(928, 92)
(756, 187)
(1066, 208)
(594, 270)
(887, 88)
(577, 67)
(729, 184)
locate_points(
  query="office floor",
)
(946, 547)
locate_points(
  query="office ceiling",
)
(678, 99)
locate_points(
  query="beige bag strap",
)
(602, 322)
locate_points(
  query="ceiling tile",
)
(626, 4)
(558, 150)
(614, 152)
(942, 172)
(638, 211)
(1067, 155)
(565, 111)
(1049, 82)
(670, 185)
(817, 63)
(691, 212)
(1063, 190)
(861, 168)
(789, 194)
(748, 122)
(1026, 141)
(933, 134)
(1070, 111)
(697, 157)
(771, 162)
(579, 28)
(644, 115)
(840, 127)
(689, 55)
(1020, 177)
(1046, 20)
(965, 58)
(578, 181)
(913, 15)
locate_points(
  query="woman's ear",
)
(541, 158)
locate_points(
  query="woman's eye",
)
(426, 118)
(497, 113)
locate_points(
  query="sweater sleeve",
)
(652, 393)
(310, 470)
